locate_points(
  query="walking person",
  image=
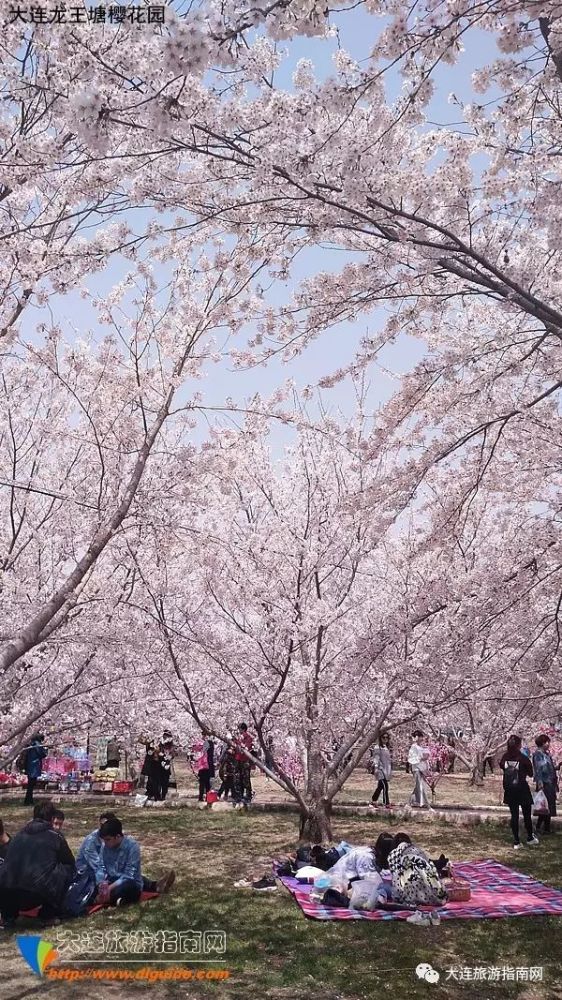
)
(452, 754)
(33, 758)
(113, 753)
(243, 791)
(517, 767)
(166, 754)
(152, 770)
(488, 762)
(204, 751)
(546, 780)
(382, 764)
(418, 759)
(268, 757)
(227, 768)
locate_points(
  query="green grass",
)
(273, 951)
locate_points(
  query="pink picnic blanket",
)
(496, 891)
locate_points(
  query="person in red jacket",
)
(242, 767)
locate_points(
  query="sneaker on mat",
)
(265, 884)
(533, 841)
(165, 883)
(419, 919)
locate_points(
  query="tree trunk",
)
(315, 823)
(477, 777)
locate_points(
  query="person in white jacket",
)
(418, 759)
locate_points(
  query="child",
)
(204, 763)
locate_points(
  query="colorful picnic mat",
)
(496, 891)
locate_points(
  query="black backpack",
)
(511, 776)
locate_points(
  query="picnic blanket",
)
(91, 909)
(496, 891)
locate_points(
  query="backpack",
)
(21, 762)
(79, 894)
(511, 775)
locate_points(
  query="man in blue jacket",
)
(34, 756)
(118, 871)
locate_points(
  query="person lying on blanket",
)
(360, 862)
(37, 871)
(118, 870)
(415, 880)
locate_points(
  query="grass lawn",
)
(275, 952)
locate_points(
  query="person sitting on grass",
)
(58, 821)
(90, 849)
(38, 869)
(118, 870)
(4, 841)
(415, 880)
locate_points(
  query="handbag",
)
(540, 804)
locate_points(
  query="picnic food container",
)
(458, 890)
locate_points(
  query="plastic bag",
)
(365, 893)
(140, 800)
(325, 881)
(540, 804)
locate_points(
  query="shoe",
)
(533, 841)
(419, 919)
(265, 884)
(434, 919)
(120, 901)
(243, 883)
(286, 869)
(517, 847)
(7, 926)
(165, 883)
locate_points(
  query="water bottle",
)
(321, 883)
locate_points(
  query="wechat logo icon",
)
(425, 971)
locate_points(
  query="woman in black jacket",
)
(37, 871)
(517, 767)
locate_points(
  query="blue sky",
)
(335, 348)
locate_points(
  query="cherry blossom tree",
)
(80, 422)
(294, 608)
